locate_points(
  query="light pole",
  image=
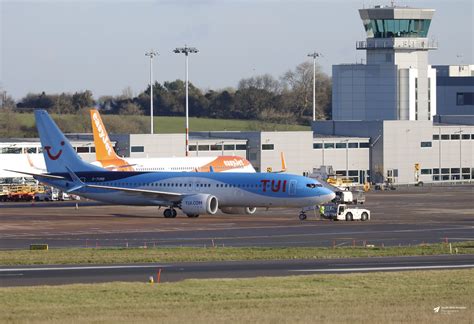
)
(186, 51)
(314, 55)
(151, 54)
(460, 152)
(347, 157)
(222, 147)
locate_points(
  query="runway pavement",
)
(55, 275)
(400, 217)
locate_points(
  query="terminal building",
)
(396, 118)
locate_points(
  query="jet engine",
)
(239, 210)
(198, 204)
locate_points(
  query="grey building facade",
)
(455, 90)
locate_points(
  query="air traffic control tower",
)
(396, 83)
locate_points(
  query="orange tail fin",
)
(104, 150)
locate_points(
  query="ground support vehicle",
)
(350, 197)
(343, 212)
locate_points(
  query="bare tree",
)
(298, 85)
(262, 82)
(127, 93)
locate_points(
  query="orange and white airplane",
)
(107, 158)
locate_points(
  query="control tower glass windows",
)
(388, 28)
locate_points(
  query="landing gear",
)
(302, 216)
(170, 213)
(192, 215)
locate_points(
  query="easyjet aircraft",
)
(193, 192)
(107, 158)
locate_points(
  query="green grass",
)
(22, 125)
(141, 255)
(362, 298)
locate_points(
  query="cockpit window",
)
(313, 185)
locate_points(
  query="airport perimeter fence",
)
(426, 185)
(222, 243)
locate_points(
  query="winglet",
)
(32, 165)
(211, 169)
(283, 162)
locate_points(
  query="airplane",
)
(195, 193)
(107, 158)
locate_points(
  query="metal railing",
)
(397, 44)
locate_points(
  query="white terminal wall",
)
(396, 145)
(173, 145)
(298, 150)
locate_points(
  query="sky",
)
(69, 46)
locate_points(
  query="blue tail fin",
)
(58, 153)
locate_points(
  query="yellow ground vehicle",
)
(20, 192)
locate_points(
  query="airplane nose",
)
(332, 195)
(327, 195)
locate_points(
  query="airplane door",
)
(190, 186)
(292, 190)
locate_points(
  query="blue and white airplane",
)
(194, 193)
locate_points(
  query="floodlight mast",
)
(186, 51)
(314, 55)
(151, 54)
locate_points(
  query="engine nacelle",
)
(239, 210)
(199, 204)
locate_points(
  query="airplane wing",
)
(39, 175)
(162, 195)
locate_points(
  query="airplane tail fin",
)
(58, 153)
(104, 150)
(103, 146)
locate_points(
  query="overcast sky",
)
(57, 46)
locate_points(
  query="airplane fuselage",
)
(231, 189)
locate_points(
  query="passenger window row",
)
(200, 185)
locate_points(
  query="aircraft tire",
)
(168, 213)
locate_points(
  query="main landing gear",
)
(302, 216)
(170, 213)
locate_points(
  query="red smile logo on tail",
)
(51, 156)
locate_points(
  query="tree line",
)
(286, 99)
